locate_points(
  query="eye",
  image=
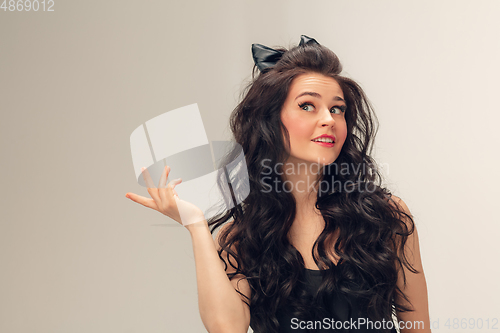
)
(338, 109)
(307, 107)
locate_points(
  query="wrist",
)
(197, 226)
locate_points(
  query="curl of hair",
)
(371, 228)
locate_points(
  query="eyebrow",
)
(315, 94)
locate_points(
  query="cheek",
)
(342, 132)
(299, 132)
(297, 129)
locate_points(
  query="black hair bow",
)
(265, 57)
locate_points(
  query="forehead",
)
(314, 82)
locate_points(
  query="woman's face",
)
(314, 107)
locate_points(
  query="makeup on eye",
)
(341, 108)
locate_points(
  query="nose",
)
(326, 118)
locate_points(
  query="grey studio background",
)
(77, 256)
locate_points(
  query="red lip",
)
(324, 144)
(325, 136)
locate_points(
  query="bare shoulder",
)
(412, 241)
(397, 202)
(412, 281)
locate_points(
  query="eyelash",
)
(342, 108)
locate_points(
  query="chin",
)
(327, 160)
(322, 162)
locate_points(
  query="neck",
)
(302, 181)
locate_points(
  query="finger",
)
(147, 178)
(171, 186)
(162, 187)
(163, 177)
(152, 190)
(147, 202)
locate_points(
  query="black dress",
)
(346, 318)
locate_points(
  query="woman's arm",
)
(416, 286)
(221, 308)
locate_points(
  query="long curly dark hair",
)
(371, 228)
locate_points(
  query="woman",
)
(318, 241)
